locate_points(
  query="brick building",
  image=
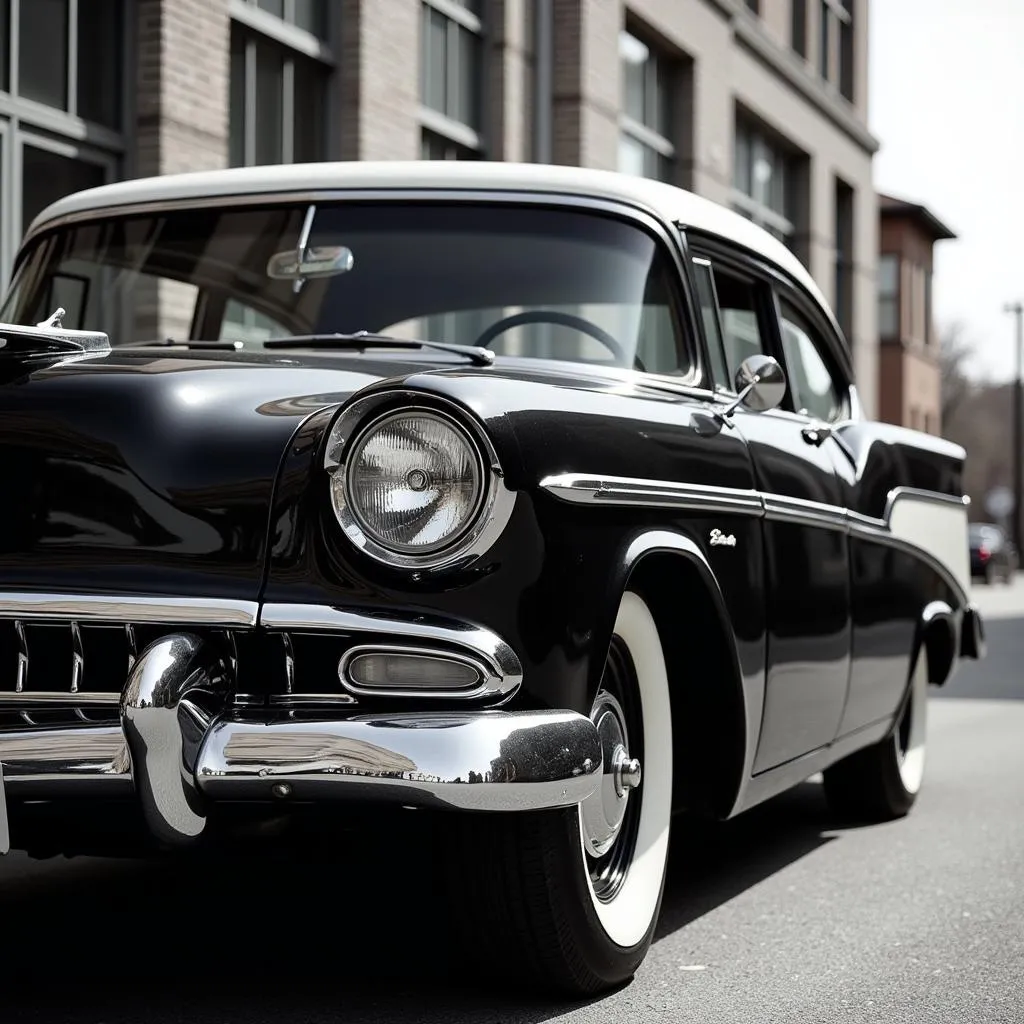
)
(758, 104)
(909, 380)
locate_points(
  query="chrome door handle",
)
(816, 433)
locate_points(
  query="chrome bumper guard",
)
(178, 750)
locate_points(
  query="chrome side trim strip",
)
(593, 490)
(799, 511)
(40, 607)
(505, 666)
(620, 490)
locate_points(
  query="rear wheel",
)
(881, 782)
(570, 898)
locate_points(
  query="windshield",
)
(589, 287)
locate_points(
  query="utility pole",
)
(1016, 309)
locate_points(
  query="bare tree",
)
(955, 349)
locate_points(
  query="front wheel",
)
(570, 898)
(882, 781)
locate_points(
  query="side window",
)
(741, 328)
(813, 389)
(705, 287)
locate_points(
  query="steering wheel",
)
(541, 316)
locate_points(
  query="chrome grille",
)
(81, 667)
(86, 662)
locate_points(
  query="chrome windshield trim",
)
(629, 207)
(620, 490)
(504, 663)
(42, 607)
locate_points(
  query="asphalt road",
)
(780, 915)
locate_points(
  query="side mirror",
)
(760, 385)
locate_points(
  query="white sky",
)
(947, 104)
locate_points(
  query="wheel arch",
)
(709, 722)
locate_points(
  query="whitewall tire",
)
(882, 781)
(627, 913)
(572, 897)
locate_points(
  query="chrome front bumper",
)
(177, 750)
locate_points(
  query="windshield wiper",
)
(364, 339)
(192, 343)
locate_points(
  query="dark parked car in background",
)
(993, 555)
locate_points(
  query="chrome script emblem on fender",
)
(719, 539)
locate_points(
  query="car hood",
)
(149, 474)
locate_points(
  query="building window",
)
(799, 27)
(916, 281)
(62, 75)
(889, 296)
(835, 44)
(451, 79)
(846, 52)
(927, 306)
(844, 258)
(764, 181)
(754, 5)
(646, 119)
(280, 70)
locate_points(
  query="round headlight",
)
(413, 482)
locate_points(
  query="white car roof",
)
(666, 201)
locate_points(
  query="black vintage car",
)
(993, 555)
(539, 495)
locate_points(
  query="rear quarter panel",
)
(909, 548)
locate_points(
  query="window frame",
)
(658, 77)
(895, 297)
(840, 386)
(780, 224)
(459, 135)
(295, 44)
(835, 22)
(772, 282)
(43, 126)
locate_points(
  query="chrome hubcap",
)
(604, 811)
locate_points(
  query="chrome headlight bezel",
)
(492, 507)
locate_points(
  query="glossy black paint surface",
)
(806, 569)
(551, 583)
(201, 474)
(150, 473)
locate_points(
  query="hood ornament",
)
(48, 342)
(55, 320)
